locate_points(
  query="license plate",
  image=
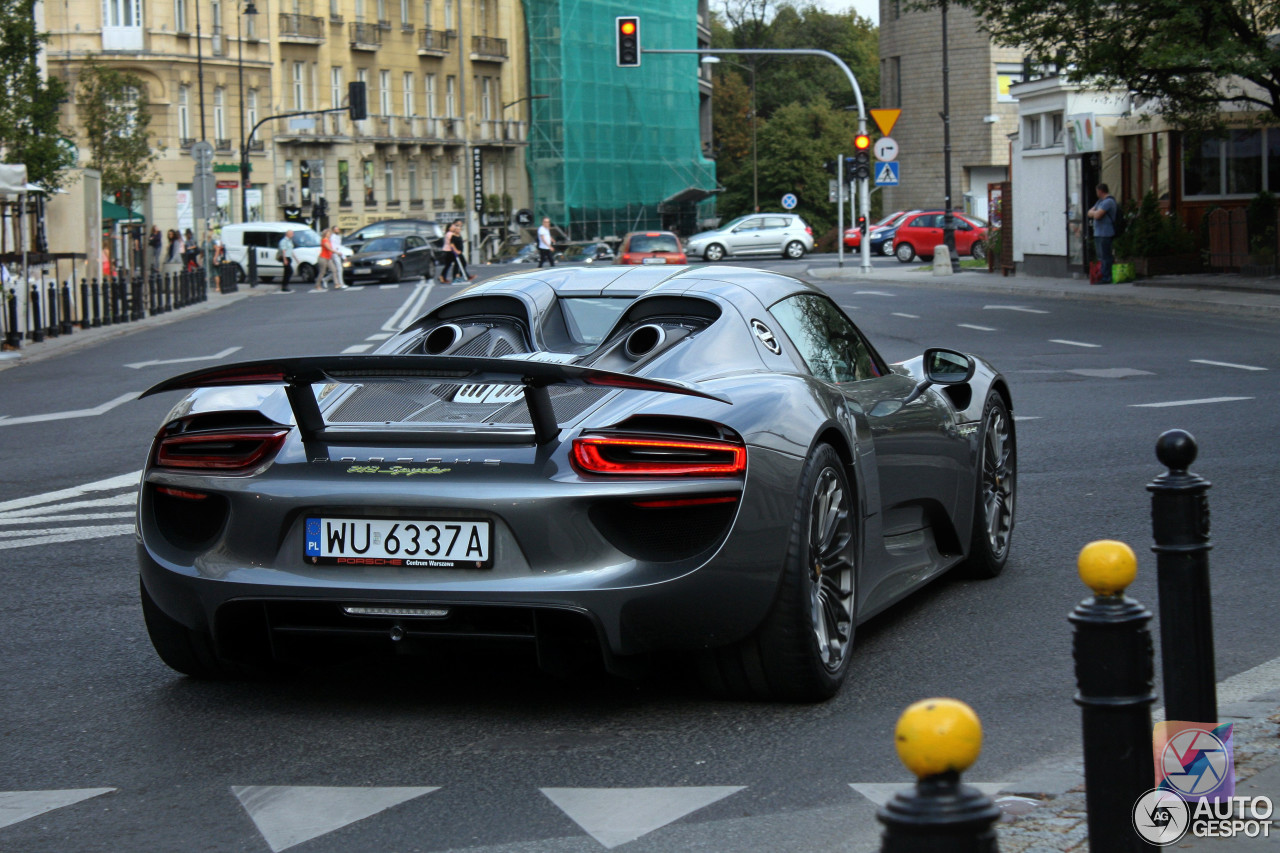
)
(653, 260)
(432, 544)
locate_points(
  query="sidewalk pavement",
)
(1219, 292)
(80, 338)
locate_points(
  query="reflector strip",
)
(723, 499)
(181, 493)
(420, 612)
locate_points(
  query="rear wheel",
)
(714, 252)
(996, 492)
(794, 250)
(979, 250)
(306, 272)
(801, 652)
(905, 252)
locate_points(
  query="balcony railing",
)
(433, 41)
(186, 142)
(222, 144)
(365, 36)
(307, 27)
(484, 46)
(257, 145)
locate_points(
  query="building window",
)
(413, 180)
(219, 113)
(1031, 129)
(384, 92)
(1241, 163)
(431, 96)
(184, 112)
(486, 98)
(1056, 136)
(299, 87)
(344, 182)
(426, 13)
(455, 182)
(448, 14)
(1007, 74)
(251, 110)
(122, 13)
(288, 171)
(359, 10)
(482, 17)
(404, 12)
(335, 87)
(180, 16)
(389, 180)
(335, 8)
(435, 179)
(382, 10)
(450, 87)
(409, 110)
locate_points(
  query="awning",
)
(119, 213)
(690, 195)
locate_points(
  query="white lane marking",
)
(1028, 417)
(288, 815)
(1013, 308)
(1074, 343)
(388, 286)
(409, 308)
(17, 806)
(978, 328)
(52, 536)
(45, 519)
(908, 316)
(615, 816)
(881, 792)
(128, 497)
(109, 484)
(1187, 402)
(381, 336)
(1111, 372)
(1225, 364)
(102, 409)
(358, 348)
(137, 365)
(871, 293)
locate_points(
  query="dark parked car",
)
(590, 252)
(430, 231)
(596, 465)
(390, 259)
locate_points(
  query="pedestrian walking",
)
(326, 261)
(286, 256)
(155, 242)
(1104, 214)
(456, 270)
(546, 245)
(339, 254)
(176, 247)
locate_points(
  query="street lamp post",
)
(949, 218)
(502, 112)
(249, 9)
(755, 170)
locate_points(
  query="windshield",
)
(892, 218)
(731, 223)
(978, 221)
(305, 238)
(383, 244)
(590, 318)
(654, 243)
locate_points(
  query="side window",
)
(748, 225)
(831, 346)
(961, 225)
(775, 222)
(412, 242)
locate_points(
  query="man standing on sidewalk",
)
(286, 257)
(1104, 214)
(546, 245)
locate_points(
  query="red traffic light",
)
(628, 27)
(862, 142)
(628, 41)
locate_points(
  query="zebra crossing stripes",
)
(91, 511)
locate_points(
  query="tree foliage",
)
(1190, 57)
(799, 92)
(29, 104)
(114, 112)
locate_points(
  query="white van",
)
(262, 238)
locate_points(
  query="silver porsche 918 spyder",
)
(624, 461)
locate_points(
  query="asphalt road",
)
(480, 754)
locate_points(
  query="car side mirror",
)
(942, 367)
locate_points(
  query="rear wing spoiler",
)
(297, 375)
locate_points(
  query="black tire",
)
(397, 273)
(241, 275)
(995, 494)
(794, 250)
(905, 252)
(979, 250)
(307, 273)
(801, 652)
(713, 253)
(189, 652)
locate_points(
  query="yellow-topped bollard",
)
(938, 739)
(1107, 567)
(938, 735)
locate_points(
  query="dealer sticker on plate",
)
(435, 544)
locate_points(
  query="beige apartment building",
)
(983, 112)
(447, 102)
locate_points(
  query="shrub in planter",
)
(1151, 233)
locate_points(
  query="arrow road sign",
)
(202, 153)
(887, 175)
(886, 149)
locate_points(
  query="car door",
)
(415, 250)
(773, 234)
(745, 238)
(915, 459)
(965, 234)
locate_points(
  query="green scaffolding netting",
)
(615, 149)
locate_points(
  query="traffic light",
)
(829, 166)
(628, 33)
(861, 167)
(861, 142)
(357, 100)
(862, 225)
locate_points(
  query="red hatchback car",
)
(650, 247)
(920, 232)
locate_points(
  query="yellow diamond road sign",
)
(885, 120)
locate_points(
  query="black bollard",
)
(67, 325)
(12, 337)
(33, 308)
(117, 301)
(1115, 677)
(85, 319)
(253, 266)
(51, 307)
(97, 304)
(168, 292)
(1180, 528)
(937, 740)
(139, 303)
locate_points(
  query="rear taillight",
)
(627, 259)
(681, 259)
(808, 230)
(629, 456)
(224, 451)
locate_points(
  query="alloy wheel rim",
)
(999, 477)
(831, 570)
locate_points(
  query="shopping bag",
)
(1121, 273)
(1095, 272)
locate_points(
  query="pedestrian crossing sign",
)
(887, 174)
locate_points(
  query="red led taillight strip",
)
(656, 457)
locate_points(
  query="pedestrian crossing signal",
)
(628, 36)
